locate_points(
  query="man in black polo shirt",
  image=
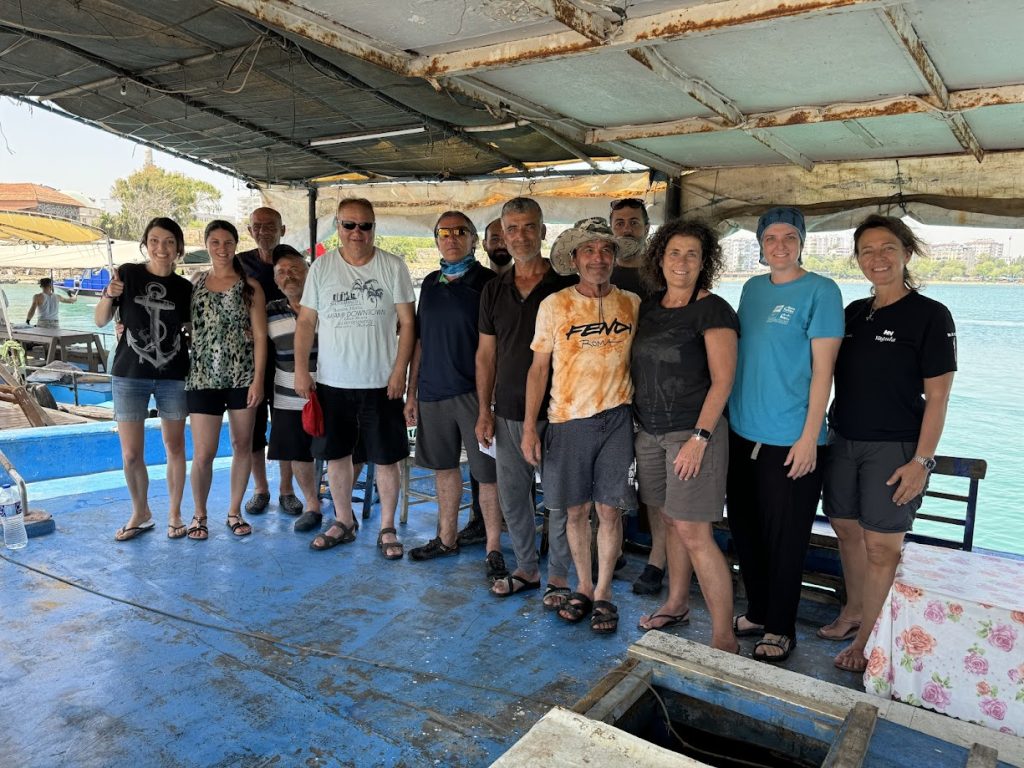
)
(267, 229)
(508, 310)
(441, 400)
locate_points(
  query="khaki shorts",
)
(698, 500)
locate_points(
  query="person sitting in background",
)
(893, 377)
(48, 303)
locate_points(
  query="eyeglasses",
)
(628, 202)
(364, 226)
(452, 231)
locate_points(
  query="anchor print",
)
(148, 343)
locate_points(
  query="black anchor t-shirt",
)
(154, 311)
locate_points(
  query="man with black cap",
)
(582, 343)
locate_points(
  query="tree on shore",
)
(151, 191)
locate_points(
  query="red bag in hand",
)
(313, 416)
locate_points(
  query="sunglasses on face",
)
(452, 231)
(627, 202)
(364, 226)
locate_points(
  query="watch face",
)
(929, 464)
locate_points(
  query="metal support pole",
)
(673, 198)
(312, 224)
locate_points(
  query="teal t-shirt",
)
(773, 373)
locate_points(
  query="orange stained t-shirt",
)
(589, 340)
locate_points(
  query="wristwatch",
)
(701, 434)
(927, 462)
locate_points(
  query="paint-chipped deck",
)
(258, 651)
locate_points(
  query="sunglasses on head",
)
(452, 231)
(364, 226)
(627, 202)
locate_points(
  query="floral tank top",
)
(222, 348)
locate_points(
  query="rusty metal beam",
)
(781, 148)
(322, 29)
(151, 72)
(673, 24)
(593, 27)
(564, 143)
(899, 23)
(959, 101)
(696, 89)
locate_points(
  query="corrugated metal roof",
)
(288, 91)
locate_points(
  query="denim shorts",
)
(131, 398)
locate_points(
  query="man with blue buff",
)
(441, 400)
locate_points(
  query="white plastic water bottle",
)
(15, 536)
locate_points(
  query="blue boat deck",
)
(258, 651)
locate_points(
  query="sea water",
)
(986, 408)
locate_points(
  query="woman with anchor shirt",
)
(151, 359)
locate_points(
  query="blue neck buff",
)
(454, 271)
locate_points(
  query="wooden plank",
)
(851, 745)
(982, 756)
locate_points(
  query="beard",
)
(500, 256)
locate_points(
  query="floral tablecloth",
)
(950, 637)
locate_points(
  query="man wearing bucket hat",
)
(508, 308)
(791, 325)
(582, 341)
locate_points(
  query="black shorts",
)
(288, 440)
(368, 416)
(215, 401)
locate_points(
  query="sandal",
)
(197, 530)
(576, 608)
(829, 631)
(385, 547)
(326, 541)
(555, 597)
(785, 643)
(237, 526)
(496, 568)
(605, 613)
(669, 619)
(514, 584)
(177, 531)
(749, 631)
(124, 533)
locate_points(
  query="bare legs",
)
(205, 438)
(259, 475)
(136, 476)
(304, 475)
(609, 540)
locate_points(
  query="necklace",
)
(871, 312)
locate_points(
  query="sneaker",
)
(649, 582)
(308, 521)
(433, 548)
(496, 568)
(473, 533)
(257, 503)
(289, 504)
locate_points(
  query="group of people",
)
(611, 351)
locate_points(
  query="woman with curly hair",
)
(229, 350)
(683, 363)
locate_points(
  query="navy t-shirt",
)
(883, 363)
(262, 273)
(446, 325)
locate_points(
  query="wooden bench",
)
(823, 569)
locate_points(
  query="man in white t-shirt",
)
(355, 297)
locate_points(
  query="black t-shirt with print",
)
(154, 311)
(883, 363)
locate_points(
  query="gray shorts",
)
(589, 459)
(444, 427)
(698, 500)
(854, 487)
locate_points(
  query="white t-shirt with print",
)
(357, 320)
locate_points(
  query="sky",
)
(42, 148)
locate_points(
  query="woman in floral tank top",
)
(229, 350)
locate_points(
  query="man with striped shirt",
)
(288, 441)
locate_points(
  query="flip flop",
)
(749, 631)
(848, 635)
(177, 531)
(672, 620)
(127, 534)
(558, 596)
(511, 583)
